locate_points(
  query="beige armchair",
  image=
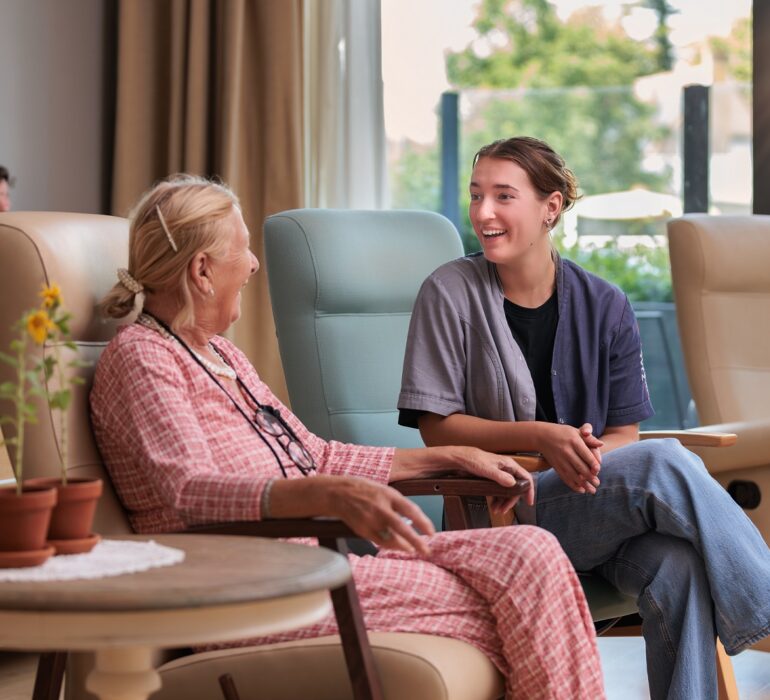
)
(720, 267)
(81, 253)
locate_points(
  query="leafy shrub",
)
(642, 272)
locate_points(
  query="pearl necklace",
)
(221, 369)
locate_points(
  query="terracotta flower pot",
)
(24, 521)
(72, 519)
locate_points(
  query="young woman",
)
(517, 350)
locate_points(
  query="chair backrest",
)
(343, 284)
(80, 253)
(721, 275)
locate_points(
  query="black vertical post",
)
(450, 158)
(696, 148)
(761, 106)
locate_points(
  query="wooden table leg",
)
(50, 675)
(123, 674)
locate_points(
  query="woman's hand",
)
(373, 511)
(377, 513)
(573, 453)
(502, 469)
(442, 461)
(593, 443)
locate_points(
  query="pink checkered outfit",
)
(179, 453)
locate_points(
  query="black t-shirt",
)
(535, 330)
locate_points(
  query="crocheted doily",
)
(107, 558)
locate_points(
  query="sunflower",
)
(51, 296)
(38, 326)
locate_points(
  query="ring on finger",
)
(385, 534)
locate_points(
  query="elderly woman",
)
(190, 434)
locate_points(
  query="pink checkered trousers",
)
(179, 453)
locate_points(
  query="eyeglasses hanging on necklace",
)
(269, 420)
(266, 419)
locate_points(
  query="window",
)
(603, 84)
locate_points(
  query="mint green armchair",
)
(342, 285)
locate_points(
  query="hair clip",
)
(165, 229)
(129, 282)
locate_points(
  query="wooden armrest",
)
(454, 490)
(691, 438)
(458, 486)
(532, 463)
(751, 451)
(529, 461)
(323, 528)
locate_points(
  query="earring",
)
(548, 223)
(211, 291)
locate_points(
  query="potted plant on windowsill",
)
(47, 377)
(70, 528)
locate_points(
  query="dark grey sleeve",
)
(629, 397)
(433, 378)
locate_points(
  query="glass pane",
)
(603, 84)
(730, 167)
(415, 39)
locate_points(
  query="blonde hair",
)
(172, 222)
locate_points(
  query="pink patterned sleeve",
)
(339, 458)
(149, 398)
(343, 459)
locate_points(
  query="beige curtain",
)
(214, 87)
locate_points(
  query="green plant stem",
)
(20, 417)
(62, 416)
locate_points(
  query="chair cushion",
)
(412, 667)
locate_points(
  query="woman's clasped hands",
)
(574, 453)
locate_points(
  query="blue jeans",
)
(662, 529)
